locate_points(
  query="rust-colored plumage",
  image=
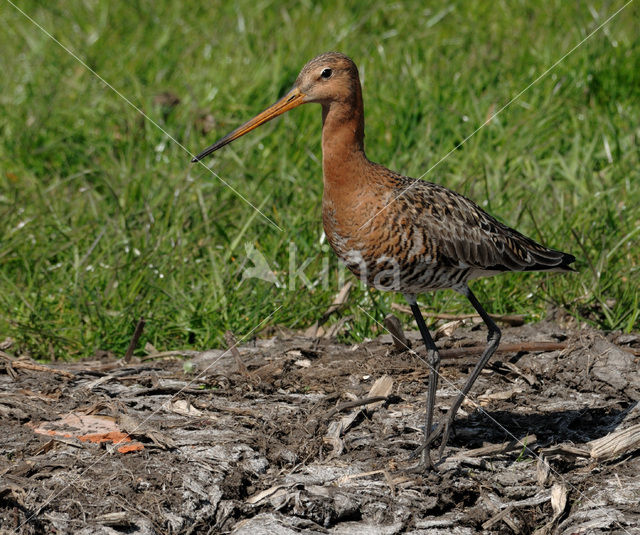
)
(396, 233)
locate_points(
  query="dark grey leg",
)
(433, 360)
(493, 340)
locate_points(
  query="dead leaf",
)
(184, 407)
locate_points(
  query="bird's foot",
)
(424, 453)
(443, 429)
(446, 431)
(424, 465)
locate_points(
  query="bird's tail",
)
(551, 260)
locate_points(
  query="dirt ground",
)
(275, 439)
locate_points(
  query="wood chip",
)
(615, 444)
(381, 388)
(506, 508)
(543, 471)
(378, 394)
(394, 326)
(312, 330)
(558, 500)
(503, 513)
(504, 516)
(528, 377)
(11, 372)
(446, 330)
(316, 330)
(46, 447)
(182, 406)
(335, 430)
(333, 330)
(503, 395)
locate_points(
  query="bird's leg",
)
(433, 360)
(493, 339)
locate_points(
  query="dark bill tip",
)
(288, 102)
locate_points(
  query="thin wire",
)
(498, 424)
(73, 55)
(491, 118)
(55, 494)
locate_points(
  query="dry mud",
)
(265, 441)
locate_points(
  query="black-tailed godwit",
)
(397, 233)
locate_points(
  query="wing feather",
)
(463, 233)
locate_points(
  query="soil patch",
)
(289, 436)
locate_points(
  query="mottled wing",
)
(461, 232)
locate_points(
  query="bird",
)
(397, 233)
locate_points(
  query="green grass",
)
(103, 219)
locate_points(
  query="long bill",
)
(294, 98)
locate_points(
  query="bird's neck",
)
(343, 142)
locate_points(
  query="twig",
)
(349, 477)
(356, 403)
(505, 516)
(531, 347)
(514, 320)
(40, 368)
(505, 447)
(565, 450)
(635, 351)
(26, 365)
(314, 331)
(177, 353)
(338, 301)
(538, 499)
(134, 340)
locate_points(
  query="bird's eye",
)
(326, 73)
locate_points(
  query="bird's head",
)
(330, 77)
